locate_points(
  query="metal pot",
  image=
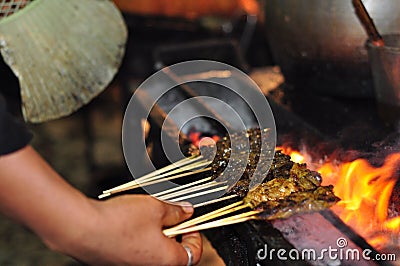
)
(320, 45)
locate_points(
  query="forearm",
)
(35, 195)
(124, 230)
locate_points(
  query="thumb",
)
(174, 214)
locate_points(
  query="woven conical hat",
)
(64, 53)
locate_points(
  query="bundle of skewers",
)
(239, 152)
(288, 188)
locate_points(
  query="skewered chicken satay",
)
(290, 189)
(273, 190)
(291, 192)
(247, 153)
(300, 179)
(295, 203)
(280, 167)
(298, 202)
(247, 147)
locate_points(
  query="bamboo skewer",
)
(146, 179)
(239, 218)
(161, 193)
(215, 201)
(191, 190)
(157, 172)
(165, 176)
(154, 173)
(210, 217)
(207, 216)
(153, 182)
(195, 195)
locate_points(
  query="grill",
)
(242, 244)
(327, 125)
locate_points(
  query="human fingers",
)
(188, 252)
(193, 246)
(176, 213)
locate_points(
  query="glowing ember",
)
(198, 140)
(365, 193)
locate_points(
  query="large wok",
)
(320, 45)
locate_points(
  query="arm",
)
(125, 230)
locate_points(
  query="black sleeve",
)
(13, 134)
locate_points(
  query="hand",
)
(127, 230)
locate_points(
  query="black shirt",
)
(13, 134)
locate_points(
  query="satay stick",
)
(165, 169)
(210, 215)
(153, 182)
(168, 191)
(179, 170)
(191, 190)
(195, 195)
(239, 218)
(199, 221)
(157, 172)
(164, 177)
(215, 201)
(141, 180)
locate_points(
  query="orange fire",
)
(365, 193)
(198, 140)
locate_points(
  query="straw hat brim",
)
(64, 53)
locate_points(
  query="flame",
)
(365, 193)
(295, 156)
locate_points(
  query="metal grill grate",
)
(9, 7)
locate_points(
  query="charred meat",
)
(298, 202)
(236, 149)
(288, 187)
(293, 192)
(280, 167)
